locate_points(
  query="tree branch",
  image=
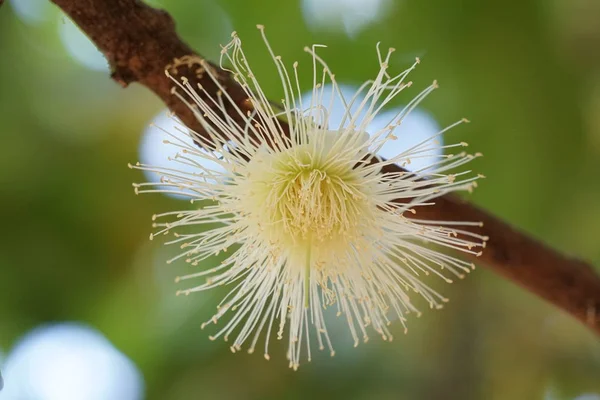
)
(140, 42)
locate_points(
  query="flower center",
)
(317, 204)
(302, 196)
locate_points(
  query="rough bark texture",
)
(140, 42)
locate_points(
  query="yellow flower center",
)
(304, 196)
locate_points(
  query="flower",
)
(306, 220)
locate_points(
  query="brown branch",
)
(139, 42)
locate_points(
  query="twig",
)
(140, 41)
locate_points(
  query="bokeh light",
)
(416, 127)
(1, 368)
(154, 151)
(79, 47)
(351, 16)
(31, 11)
(69, 362)
(588, 396)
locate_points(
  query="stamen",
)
(300, 218)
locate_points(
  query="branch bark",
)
(139, 42)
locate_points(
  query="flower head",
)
(307, 219)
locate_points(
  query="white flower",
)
(306, 221)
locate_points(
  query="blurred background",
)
(87, 304)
